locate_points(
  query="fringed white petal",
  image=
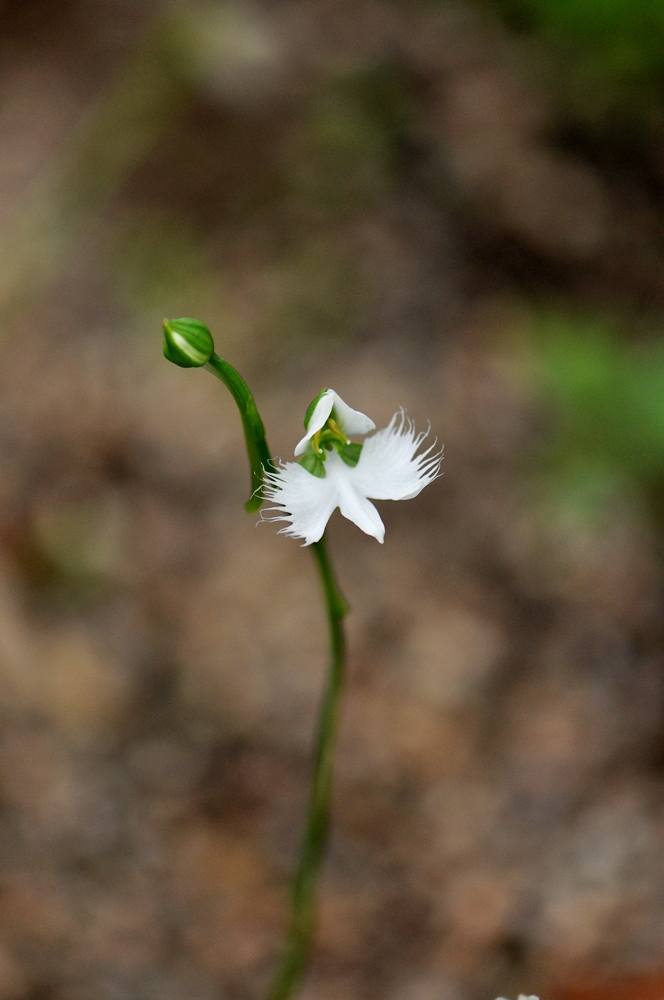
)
(350, 421)
(304, 501)
(390, 468)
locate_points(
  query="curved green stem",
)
(303, 902)
(260, 459)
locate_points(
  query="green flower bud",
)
(187, 342)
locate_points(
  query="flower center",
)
(328, 437)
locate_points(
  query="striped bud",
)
(187, 342)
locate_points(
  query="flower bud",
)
(187, 342)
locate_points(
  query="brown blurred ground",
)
(499, 813)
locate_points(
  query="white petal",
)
(317, 420)
(304, 501)
(351, 421)
(352, 504)
(389, 468)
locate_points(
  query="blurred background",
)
(452, 206)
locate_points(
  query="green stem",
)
(260, 459)
(303, 906)
(303, 902)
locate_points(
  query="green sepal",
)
(310, 409)
(350, 453)
(187, 342)
(313, 464)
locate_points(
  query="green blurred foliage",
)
(346, 146)
(73, 553)
(158, 263)
(83, 540)
(340, 161)
(606, 59)
(293, 241)
(318, 292)
(605, 398)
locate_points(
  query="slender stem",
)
(303, 902)
(260, 459)
(303, 907)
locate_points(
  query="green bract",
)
(350, 453)
(187, 342)
(313, 464)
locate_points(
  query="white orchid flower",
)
(336, 472)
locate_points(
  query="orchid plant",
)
(332, 471)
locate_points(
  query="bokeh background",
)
(452, 206)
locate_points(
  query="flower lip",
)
(350, 421)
